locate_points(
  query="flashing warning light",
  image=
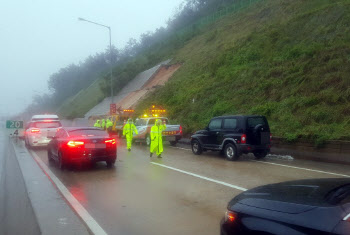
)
(75, 143)
(128, 110)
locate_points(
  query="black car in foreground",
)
(233, 136)
(82, 145)
(314, 206)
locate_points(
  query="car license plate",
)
(169, 132)
(95, 146)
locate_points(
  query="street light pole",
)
(110, 51)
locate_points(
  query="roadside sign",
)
(14, 124)
(113, 109)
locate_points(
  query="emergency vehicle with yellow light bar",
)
(172, 133)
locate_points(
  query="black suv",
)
(233, 136)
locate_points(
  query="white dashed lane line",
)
(201, 177)
(302, 168)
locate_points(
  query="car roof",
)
(45, 116)
(239, 116)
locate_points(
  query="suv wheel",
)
(196, 147)
(260, 154)
(230, 152)
(148, 140)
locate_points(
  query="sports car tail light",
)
(75, 143)
(111, 141)
(35, 131)
(244, 139)
(230, 216)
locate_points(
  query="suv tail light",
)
(180, 130)
(244, 139)
(35, 130)
(75, 143)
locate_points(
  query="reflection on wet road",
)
(178, 194)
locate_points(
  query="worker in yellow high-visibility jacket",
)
(97, 124)
(157, 138)
(103, 124)
(129, 130)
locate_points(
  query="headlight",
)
(230, 216)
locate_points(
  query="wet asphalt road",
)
(138, 197)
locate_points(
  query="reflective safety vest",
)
(97, 124)
(156, 137)
(129, 129)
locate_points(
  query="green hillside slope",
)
(288, 60)
(82, 102)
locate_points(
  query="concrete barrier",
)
(332, 151)
(29, 203)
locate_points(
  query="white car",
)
(38, 132)
(45, 117)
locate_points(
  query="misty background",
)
(39, 37)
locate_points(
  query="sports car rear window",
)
(87, 133)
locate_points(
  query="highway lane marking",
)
(302, 168)
(90, 222)
(201, 177)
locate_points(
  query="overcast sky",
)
(38, 37)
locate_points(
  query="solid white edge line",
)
(302, 168)
(90, 222)
(201, 177)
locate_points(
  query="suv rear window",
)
(87, 133)
(254, 121)
(44, 125)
